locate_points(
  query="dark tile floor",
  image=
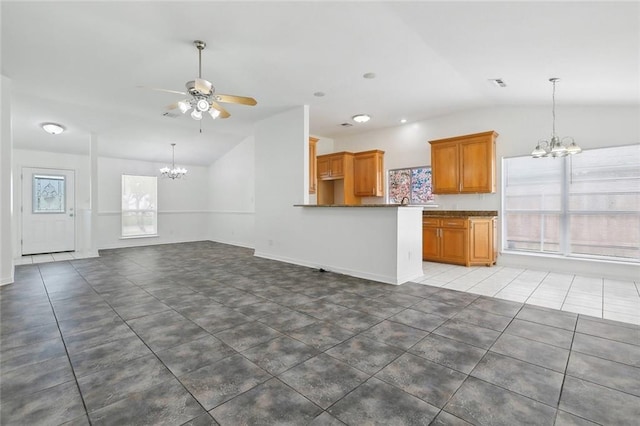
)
(205, 333)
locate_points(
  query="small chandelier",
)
(556, 147)
(173, 172)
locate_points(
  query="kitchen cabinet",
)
(459, 240)
(464, 164)
(333, 166)
(335, 179)
(368, 169)
(313, 175)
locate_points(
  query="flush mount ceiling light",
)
(361, 118)
(52, 128)
(173, 172)
(556, 147)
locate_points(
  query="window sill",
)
(135, 237)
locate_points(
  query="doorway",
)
(48, 210)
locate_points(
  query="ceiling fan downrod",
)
(200, 45)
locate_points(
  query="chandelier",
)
(173, 172)
(556, 147)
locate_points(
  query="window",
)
(586, 205)
(48, 194)
(139, 206)
(413, 183)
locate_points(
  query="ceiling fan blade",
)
(203, 86)
(161, 90)
(231, 99)
(223, 112)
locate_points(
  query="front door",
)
(48, 211)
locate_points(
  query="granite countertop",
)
(459, 213)
(355, 205)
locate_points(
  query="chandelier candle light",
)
(556, 147)
(173, 172)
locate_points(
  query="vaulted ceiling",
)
(80, 64)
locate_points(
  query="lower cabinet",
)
(462, 241)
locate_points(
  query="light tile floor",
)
(48, 257)
(598, 297)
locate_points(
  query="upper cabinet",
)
(368, 167)
(312, 165)
(332, 166)
(464, 164)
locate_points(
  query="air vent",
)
(346, 125)
(498, 82)
(170, 114)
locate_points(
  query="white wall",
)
(6, 210)
(232, 196)
(281, 147)
(182, 203)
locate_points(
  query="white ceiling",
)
(79, 64)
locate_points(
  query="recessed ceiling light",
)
(361, 118)
(369, 75)
(52, 128)
(404, 120)
(318, 94)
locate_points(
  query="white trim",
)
(118, 212)
(353, 273)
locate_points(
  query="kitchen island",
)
(380, 242)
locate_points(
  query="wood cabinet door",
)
(481, 249)
(445, 168)
(430, 243)
(323, 165)
(313, 174)
(368, 167)
(477, 165)
(454, 244)
(337, 166)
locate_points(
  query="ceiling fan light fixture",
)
(361, 118)
(184, 106)
(214, 113)
(202, 105)
(52, 128)
(196, 115)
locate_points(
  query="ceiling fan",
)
(204, 98)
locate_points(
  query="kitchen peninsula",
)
(380, 242)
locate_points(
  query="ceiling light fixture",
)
(174, 172)
(556, 147)
(404, 120)
(52, 128)
(361, 118)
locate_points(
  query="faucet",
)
(404, 201)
